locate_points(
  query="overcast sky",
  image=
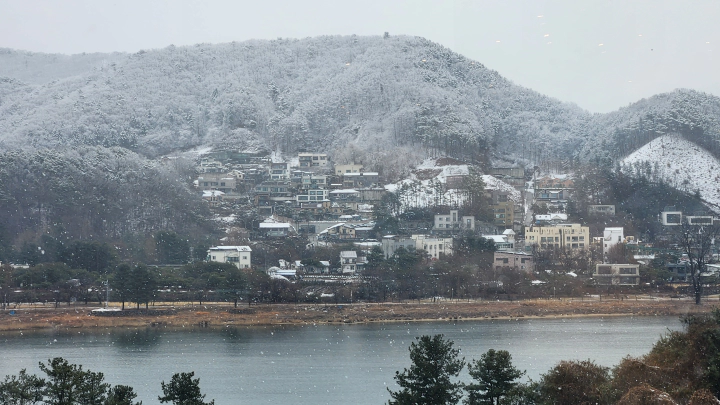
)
(600, 55)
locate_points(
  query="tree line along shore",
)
(26, 317)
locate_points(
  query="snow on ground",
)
(683, 164)
(427, 184)
(493, 183)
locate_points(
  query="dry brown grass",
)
(213, 315)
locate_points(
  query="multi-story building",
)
(279, 171)
(313, 160)
(504, 242)
(311, 180)
(360, 180)
(208, 165)
(561, 236)
(452, 223)
(611, 237)
(275, 229)
(350, 263)
(553, 188)
(520, 261)
(617, 274)
(236, 255)
(670, 216)
(434, 246)
(344, 195)
(503, 209)
(352, 231)
(217, 181)
(350, 168)
(312, 195)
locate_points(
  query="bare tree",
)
(697, 242)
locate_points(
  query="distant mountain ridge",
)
(317, 93)
(359, 97)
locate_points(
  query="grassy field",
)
(222, 314)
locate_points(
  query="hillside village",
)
(385, 167)
(527, 218)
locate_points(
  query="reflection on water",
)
(318, 364)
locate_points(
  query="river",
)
(320, 364)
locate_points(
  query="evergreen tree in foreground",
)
(428, 381)
(495, 376)
(183, 390)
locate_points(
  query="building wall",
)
(434, 246)
(569, 236)
(617, 274)
(611, 237)
(216, 181)
(240, 256)
(453, 221)
(608, 210)
(517, 261)
(351, 168)
(391, 245)
(317, 160)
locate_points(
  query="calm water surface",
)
(322, 364)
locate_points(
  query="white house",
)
(452, 222)
(350, 263)
(237, 255)
(433, 245)
(611, 237)
(504, 242)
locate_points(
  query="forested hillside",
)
(363, 94)
(357, 97)
(93, 193)
(691, 114)
(80, 134)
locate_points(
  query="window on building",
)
(604, 270)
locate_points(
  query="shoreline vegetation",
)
(181, 315)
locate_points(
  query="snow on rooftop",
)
(274, 225)
(237, 248)
(682, 164)
(493, 183)
(212, 193)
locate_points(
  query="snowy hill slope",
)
(371, 94)
(362, 99)
(427, 185)
(681, 163)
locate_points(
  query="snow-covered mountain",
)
(359, 98)
(680, 163)
(369, 94)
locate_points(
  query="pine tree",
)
(495, 376)
(428, 381)
(183, 390)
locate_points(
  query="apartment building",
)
(561, 236)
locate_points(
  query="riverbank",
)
(223, 315)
